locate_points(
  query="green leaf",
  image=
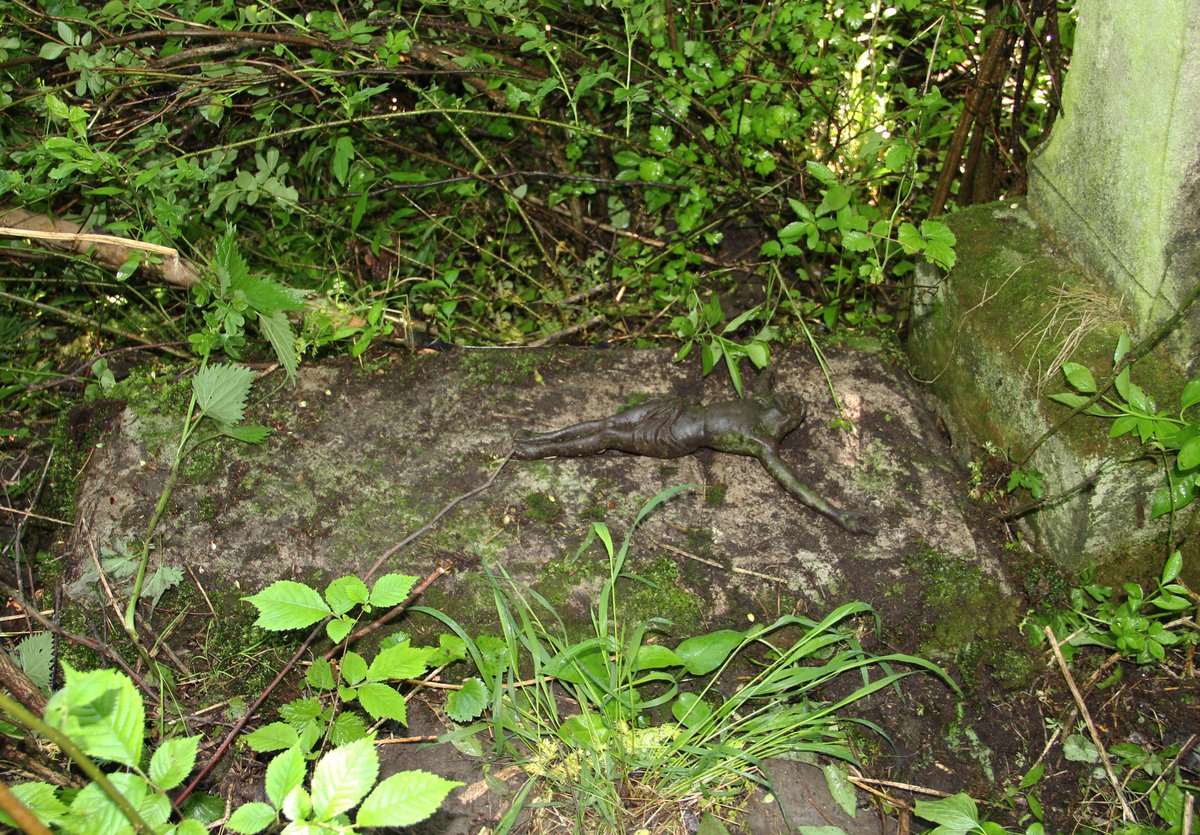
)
(954, 815)
(251, 818)
(391, 590)
(286, 604)
(247, 433)
(338, 628)
(35, 656)
(404, 799)
(1079, 749)
(347, 727)
(909, 238)
(704, 653)
(381, 701)
(343, 152)
(1191, 395)
(939, 243)
(320, 674)
(1123, 345)
(42, 799)
(1079, 377)
(344, 593)
(655, 657)
(173, 761)
(837, 779)
(221, 391)
(690, 710)
(399, 662)
(1189, 454)
(467, 704)
(759, 353)
(273, 737)
(278, 331)
(284, 773)
(343, 777)
(1172, 568)
(354, 668)
(102, 712)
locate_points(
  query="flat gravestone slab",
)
(360, 459)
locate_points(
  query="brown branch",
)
(109, 250)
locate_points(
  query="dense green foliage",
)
(503, 171)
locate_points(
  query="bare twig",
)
(1126, 812)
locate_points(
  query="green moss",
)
(663, 594)
(969, 620)
(714, 495)
(700, 540)
(540, 507)
(501, 367)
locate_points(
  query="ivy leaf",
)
(467, 704)
(286, 604)
(221, 391)
(404, 799)
(343, 777)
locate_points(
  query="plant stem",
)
(25, 718)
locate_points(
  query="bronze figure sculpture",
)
(671, 427)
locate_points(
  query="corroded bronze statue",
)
(670, 427)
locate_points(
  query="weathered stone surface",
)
(359, 460)
(1119, 179)
(989, 340)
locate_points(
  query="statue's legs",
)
(619, 432)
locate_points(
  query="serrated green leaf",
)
(276, 736)
(286, 604)
(392, 590)
(347, 727)
(285, 772)
(343, 777)
(102, 712)
(381, 701)
(909, 238)
(344, 593)
(35, 656)
(404, 799)
(399, 662)
(939, 243)
(278, 331)
(173, 761)
(246, 433)
(221, 391)
(354, 668)
(42, 799)
(467, 703)
(338, 628)
(251, 818)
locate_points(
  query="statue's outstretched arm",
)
(782, 473)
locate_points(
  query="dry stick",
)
(1126, 812)
(716, 564)
(95, 646)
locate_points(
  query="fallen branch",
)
(109, 250)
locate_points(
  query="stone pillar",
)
(1119, 178)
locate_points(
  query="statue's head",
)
(784, 413)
